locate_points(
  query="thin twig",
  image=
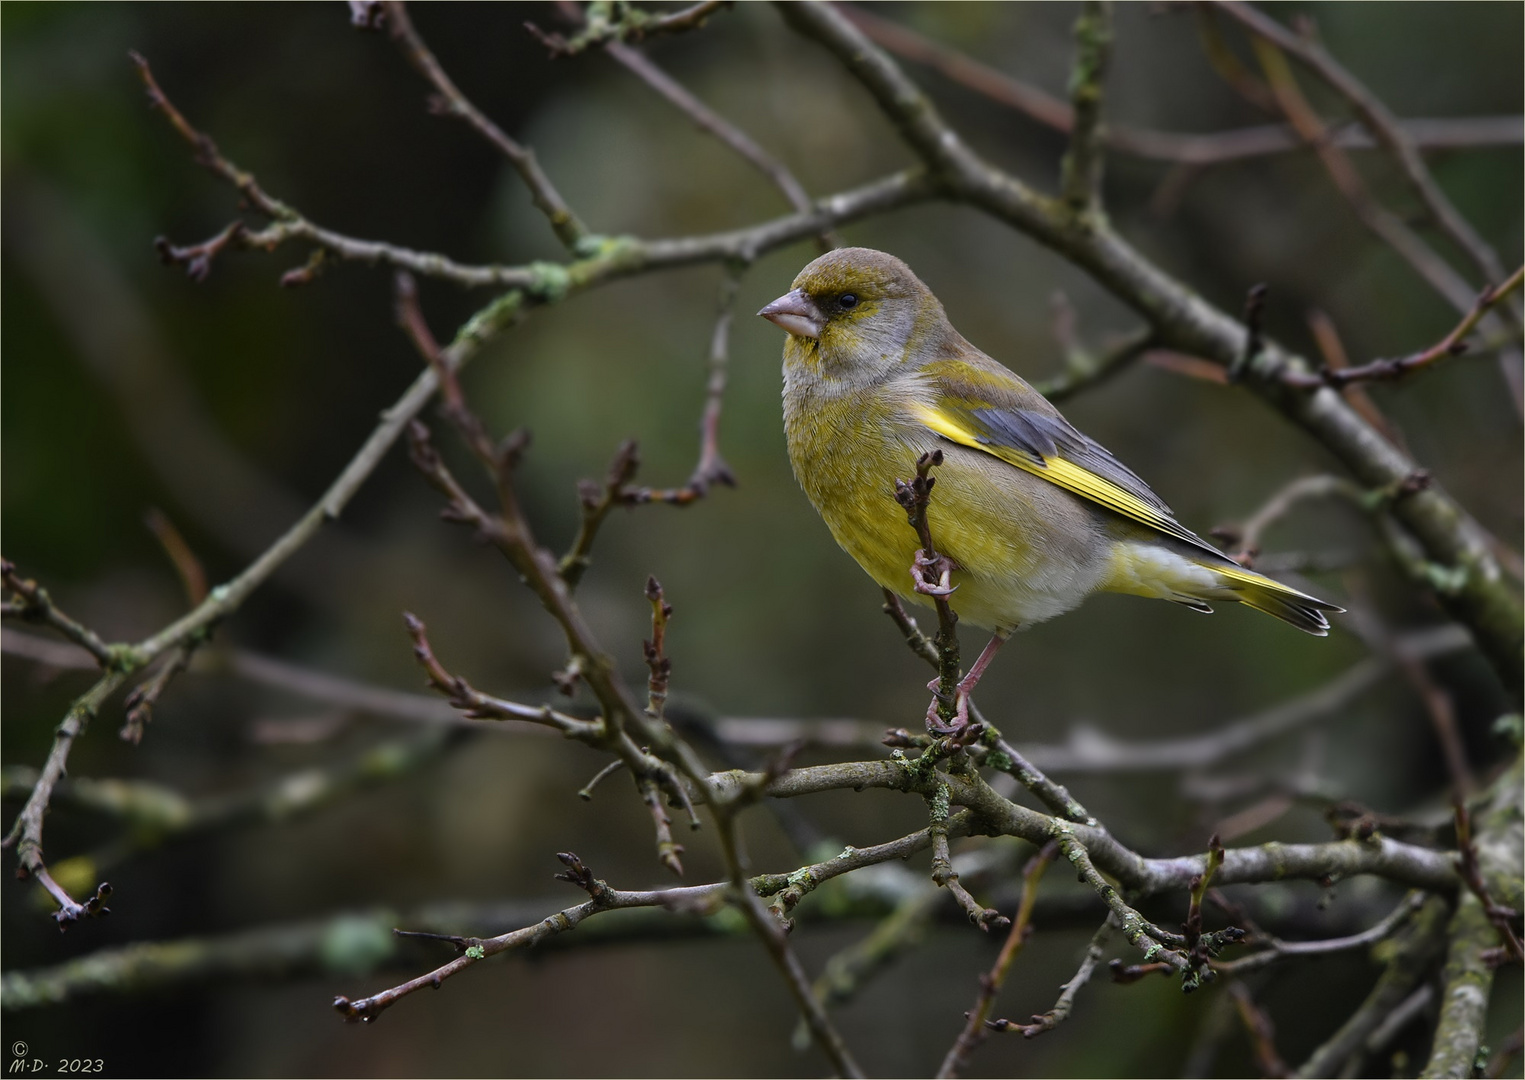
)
(26, 833)
(613, 23)
(1246, 538)
(1453, 344)
(1441, 710)
(1471, 873)
(602, 898)
(774, 937)
(1382, 124)
(943, 873)
(1088, 751)
(706, 119)
(619, 488)
(1262, 1033)
(1276, 949)
(1384, 223)
(1082, 371)
(657, 661)
(451, 102)
(669, 851)
(659, 754)
(1006, 757)
(539, 282)
(197, 258)
(33, 603)
(1080, 176)
(919, 643)
(193, 576)
(1200, 948)
(1134, 926)
(145, 696)
(976, 1028)
(712, 468)
(1326, 336)
(471, 702)
(1067, 993)
(597, 500)
(1196, 151)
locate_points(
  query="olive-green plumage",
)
(1035, 515)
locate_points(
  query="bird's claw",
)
(959, 729)
(930, 574)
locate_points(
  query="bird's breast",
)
(1027, 550)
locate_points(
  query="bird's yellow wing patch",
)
(1063, 473)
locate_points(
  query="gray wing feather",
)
(1044, 436)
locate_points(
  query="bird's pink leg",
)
(987, 654)
(966, 687)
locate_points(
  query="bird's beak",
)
(796, 313)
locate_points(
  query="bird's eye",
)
(847, 300)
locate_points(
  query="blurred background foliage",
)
(230, 404)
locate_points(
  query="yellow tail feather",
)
(1287, 604)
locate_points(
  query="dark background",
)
(231, 404)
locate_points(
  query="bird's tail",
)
(1281, 601)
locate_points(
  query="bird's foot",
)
(930, 574)
(959, 730)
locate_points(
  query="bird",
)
(1029, 517)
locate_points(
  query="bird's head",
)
(857, 314)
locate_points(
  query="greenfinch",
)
(1032, 515)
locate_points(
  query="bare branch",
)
(1091, 751)
(669, 851)
(539, 282)
(1257, 1024)
(612, 24)
(1195, 151)
(193, 576)
(26, 833)
(1382, 124)
(1387, 226)
(1138, 930)
(1247, 537)
(975, 1028)
(1067, 993)
(1411, 961)
(479, 706)
(1453, 344)
(368, 1009)
(1080, 179)
(1278, 949)
(141, 702)
(706, 119)
(1083, 370)
(943, 873)
(33, 603)
(451, 102)
(1405, 863)
(1472, 874)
